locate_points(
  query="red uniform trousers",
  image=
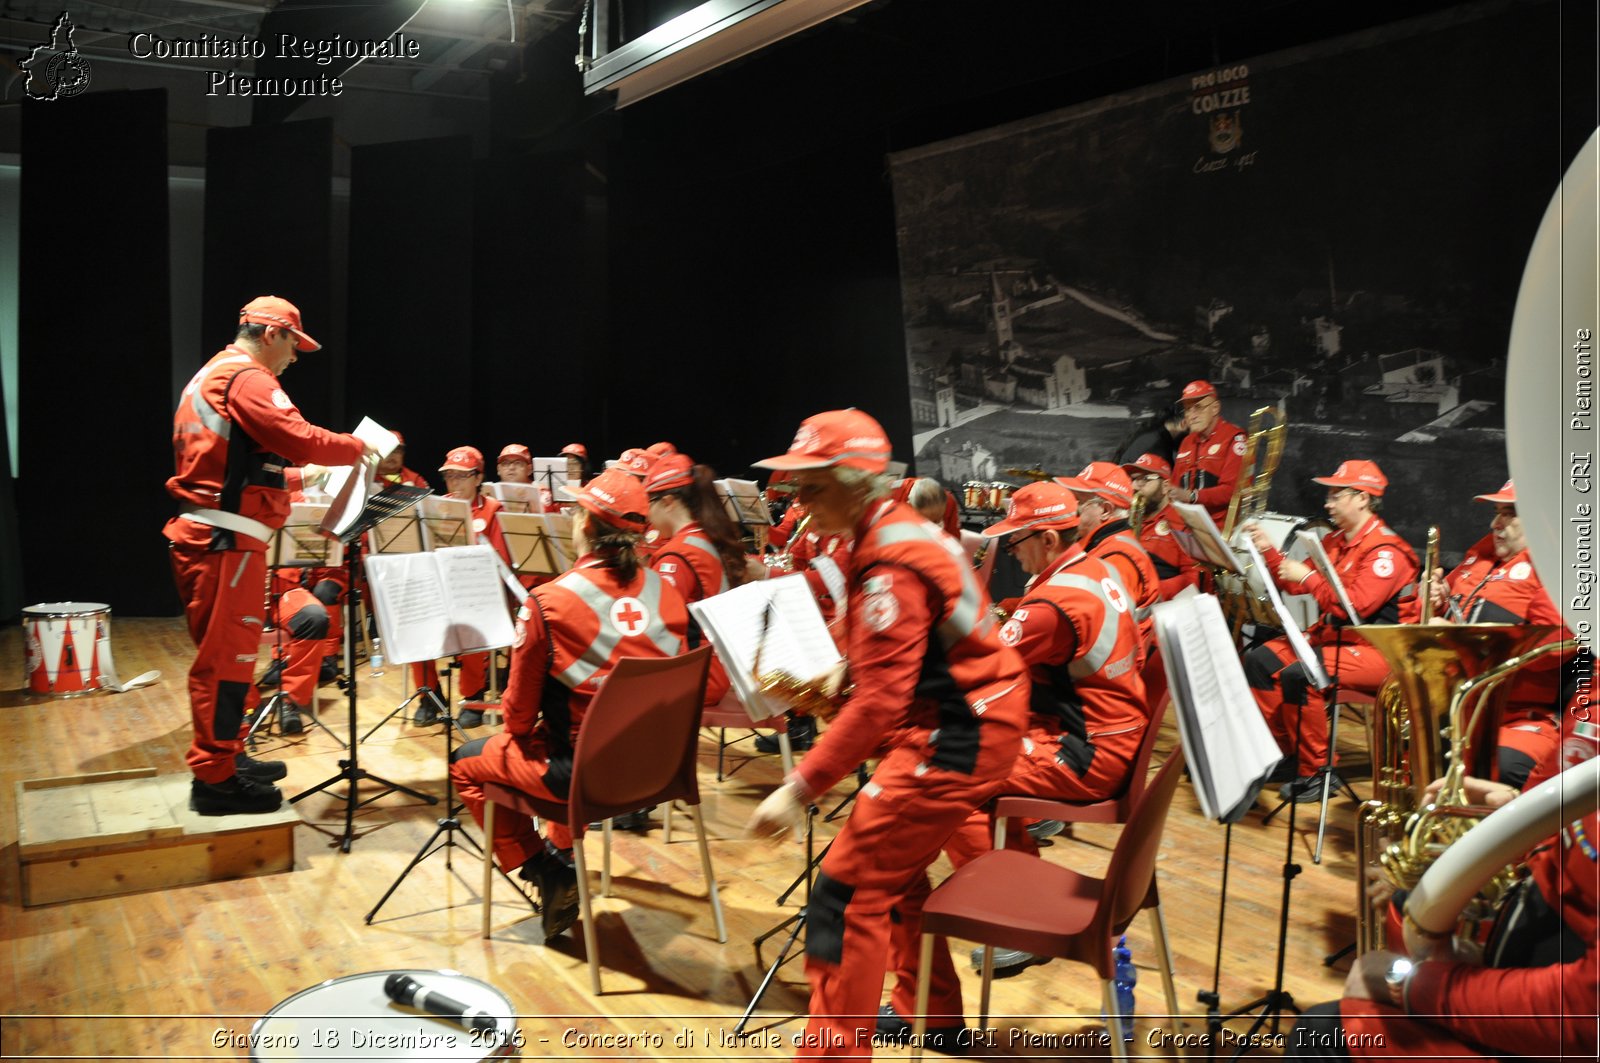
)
(222, 598)
(1283, 691)
(303, 619)
(521, 763)
(865, 905)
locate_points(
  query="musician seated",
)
(1104, 494)
(1207, 468)
(1496, 584)
(1532, 992)
(392, 469)
(302, 663)
(1175, 569)
(577, 456)
(1378, 570)
(568, 630)
(1075, 631)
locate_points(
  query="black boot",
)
(802, 733)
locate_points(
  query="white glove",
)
(780, 814)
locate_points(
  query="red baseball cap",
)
(270, 310)
(849, 439)
(1038, 506)
(634, 462)
(1151, 463)
(1105, 479)
(399, 440)
(576, 450)
(670, 472)
(615, 497)
(662, 449)
(463, 459)
(1196, 390)
(1364, 476)
(516, 452)
(1506, 496)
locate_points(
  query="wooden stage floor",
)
(183, 973)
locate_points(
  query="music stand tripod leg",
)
(796, 922)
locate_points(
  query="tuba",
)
(1418, 724)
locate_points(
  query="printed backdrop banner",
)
(1337, 231)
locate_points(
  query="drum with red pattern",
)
(61, 641)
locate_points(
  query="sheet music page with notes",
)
(1207, 537)
(1324, 564)
(518, 498)
(433, 605)
(776, 620)
(476, 597)
(1304, 652)
(1229, 746)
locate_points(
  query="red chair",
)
(636, 747)
(730, 712)
(1014, 900)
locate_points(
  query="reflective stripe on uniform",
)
(208, 415)
(605, 642)
(968, 616)
(705, 544)
(1105, 640)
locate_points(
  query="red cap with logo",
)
(669, 473)
(1037, 507)
(270, 310)
(1195, 390)
(399, 440)
(849, 439)
(1506, 496)
(634, 462)
(1364, 476)
(575, 450)
(616, 498)
(516, 452)
(662, 449)
(1103, 478)
(463, 459)
(1153, 464)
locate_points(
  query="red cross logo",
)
(629, 616)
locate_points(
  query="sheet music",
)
(398, 535)
(301, 537)
(1303, 650)
(433, 605)
(476, 597)
(550, 472)
(446, 522)
(1324, 564)
(743, 502)
(1227, 743)
(792, 637)
(518, 498)
(535, 542)
(1206, 536)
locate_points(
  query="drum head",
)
(352, 1018)
(65, 609)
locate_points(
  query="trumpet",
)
(1430, 572)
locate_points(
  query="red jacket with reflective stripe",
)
(233, 435)
(1211, 463)
(1488, 591)
(1175, 569)
(1075, 629)
(689, 563)
(1378, 570)
(1113, 543)
(570, 634)
(929, 669)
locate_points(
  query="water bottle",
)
(375, 661)
(1125, 977)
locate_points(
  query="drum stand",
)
(350, 771)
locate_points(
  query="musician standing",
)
(1379, 572)
(1207, 467)
(233, 435)
(937, 696)
(1175, 569)
(1496, 584)
(570, 634)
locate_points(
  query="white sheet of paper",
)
(1303, 650)
(792, 637)
(1207, 536)
(1323, 564)
(433, 605)
(518, 498)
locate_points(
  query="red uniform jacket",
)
(1113, 543)
(1075, 629)
(570, 634)
(486, 525)
(1175, 569)
(689, 562)
(1378, 570)
(929, 669)
(233, 435)
(1211, 464)
(1487, 591)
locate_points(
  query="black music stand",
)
(795, 923)
(392, 500)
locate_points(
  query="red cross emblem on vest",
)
(629, 616)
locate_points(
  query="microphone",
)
(406, 990)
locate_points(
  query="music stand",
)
(393, 500)
(413, 532)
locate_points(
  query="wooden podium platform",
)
(124, 831)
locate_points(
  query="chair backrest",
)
(1133, 861)
(636, 745)
(1140, 770)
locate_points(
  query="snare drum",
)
(352, 1018)
(1280, 528)
(61, 641)
(1000, 495)
(975, 494)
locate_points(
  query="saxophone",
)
(820, 696)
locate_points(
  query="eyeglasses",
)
(457, 474)
(1017, 540)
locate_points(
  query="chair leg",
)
(488, 862)
(1000, 832)
(711, 876)
(591, 944)
(919, 1021)
(605, 860)
(988, 983)
(1327, 790)
(1108, 1001)
(666, 823)
(1158, 930)
(786, 752)
(722, 744)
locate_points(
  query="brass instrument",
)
(782, 562)
(1263, 450)
(822, 696)
(1416, 725)
(1430, 572)
(1035, 474)
(1136, 514)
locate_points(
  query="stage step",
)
(117, 832)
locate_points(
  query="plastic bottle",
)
(1125, 977)
(375, 660)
